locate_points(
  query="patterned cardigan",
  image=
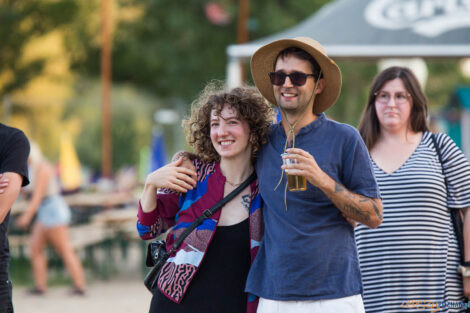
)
(181, 210)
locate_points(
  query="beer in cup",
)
(294, 182)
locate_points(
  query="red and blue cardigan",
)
(180, 210)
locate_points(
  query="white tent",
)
(376, 29)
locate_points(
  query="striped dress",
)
(413, 254)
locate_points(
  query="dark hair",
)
(300, 54)
(247, 103)
(369, 126)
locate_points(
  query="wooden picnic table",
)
(86, 200)
(104, 232)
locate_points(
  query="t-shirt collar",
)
(307, 128)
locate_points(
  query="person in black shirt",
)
(14, 152)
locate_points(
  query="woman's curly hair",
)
(246, 102)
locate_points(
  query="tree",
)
(171, 48)
(22, 21)
(131, 127)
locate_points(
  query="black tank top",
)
(219, 283)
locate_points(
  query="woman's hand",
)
(23, 221)
(3, 183)
(176, 176)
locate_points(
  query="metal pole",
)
(106, 138)
(242, 28)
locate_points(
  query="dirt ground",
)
(117, 296)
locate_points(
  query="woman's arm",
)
(44, 173)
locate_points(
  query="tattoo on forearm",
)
(374, 206)
(338, 187)
(246, 201)
(357, 212)
(354, 210)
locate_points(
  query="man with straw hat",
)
(307, 261)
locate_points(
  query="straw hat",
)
(262, 63)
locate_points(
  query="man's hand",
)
(349, 220)
(305, 165)
(187, 158)
(174, 176)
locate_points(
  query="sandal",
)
(76, 291)
(35, 291)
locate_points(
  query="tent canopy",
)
(382, 28)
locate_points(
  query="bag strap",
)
(208, 213)
(455, 213)
(439, 155)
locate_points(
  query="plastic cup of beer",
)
(294, 182)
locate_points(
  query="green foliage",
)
(173, 49)
(20, 22)
(357, 76)
(132, 118)
(278, 15)
(444, 77)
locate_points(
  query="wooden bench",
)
(81, 236)
(94, 239)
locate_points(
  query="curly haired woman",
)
(209, 270)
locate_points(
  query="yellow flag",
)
(70, 174)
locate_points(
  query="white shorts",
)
(352, 304)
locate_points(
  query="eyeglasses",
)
(383, 97)
(296, 78)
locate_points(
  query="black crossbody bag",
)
(454, 213)
(156, 250)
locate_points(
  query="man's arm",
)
(10, 193)
(367, 211)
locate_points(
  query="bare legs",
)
(59, 238)
(38, 258)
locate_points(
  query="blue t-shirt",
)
(309, 251)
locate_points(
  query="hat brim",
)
(262, 62)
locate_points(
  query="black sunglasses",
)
(296, 78)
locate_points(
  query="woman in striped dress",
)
(413, 254)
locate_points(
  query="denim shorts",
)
(54, 211)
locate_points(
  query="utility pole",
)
(242, 29)
(106, 138)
